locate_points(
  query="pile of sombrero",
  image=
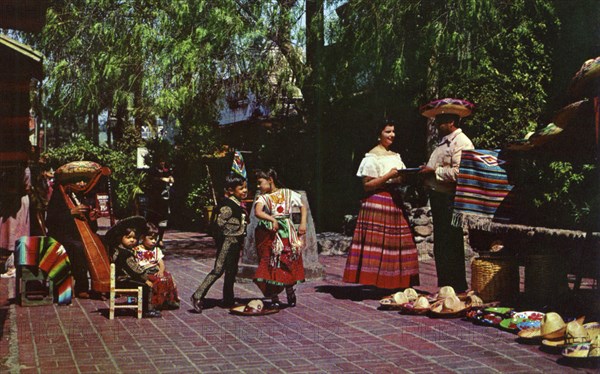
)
(552, 327)
(584, 85)
(399, 299)
(580, 341)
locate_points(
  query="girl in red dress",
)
(278, 242)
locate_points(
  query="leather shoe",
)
(83, 295)
(152, 314)
(197, 304)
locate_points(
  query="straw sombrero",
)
(401, 297)
(253, 308)
(589, 350)
(553, 327)
(461, 108)
(419, 306)
(450, 307)
(585, 81)
(574, 333)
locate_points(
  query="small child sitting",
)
(150, 258)
(122, 238)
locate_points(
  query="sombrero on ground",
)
(450, 307)
(461, 108)
(589, 351)
(253, 308)
(574, 333)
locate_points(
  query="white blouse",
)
(375, 166)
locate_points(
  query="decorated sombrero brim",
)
(461, 108)
(586, 81)
(136, 222)
(76, 171)
(253, 308)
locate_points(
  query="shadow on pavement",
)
(354, 293)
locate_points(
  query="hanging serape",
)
(481, 190)
(238, 165)
(51, 257)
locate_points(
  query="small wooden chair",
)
(114, 291)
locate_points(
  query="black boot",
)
(291, 296)
(197, 304)
(275, 304)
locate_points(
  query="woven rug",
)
(49, 256)
(481, 191)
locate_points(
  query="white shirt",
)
(445, 160)
(375, 166)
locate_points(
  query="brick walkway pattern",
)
(336, 327)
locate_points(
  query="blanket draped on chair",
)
(49, 256)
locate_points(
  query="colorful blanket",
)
(481, 191)
(49, 256)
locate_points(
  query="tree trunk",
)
(312, 91)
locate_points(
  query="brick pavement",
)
(336, 327)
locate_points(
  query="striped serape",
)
(481, 190)
(49, 256)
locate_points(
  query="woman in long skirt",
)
(383, 252)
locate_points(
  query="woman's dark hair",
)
(234, 180)
(150, 230)
(383, 124)
(270, 173)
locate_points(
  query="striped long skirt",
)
(383, 252)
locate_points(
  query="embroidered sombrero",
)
(461, 108)
(76, 171)
(590, 351)
(585, 82)
(253, 308)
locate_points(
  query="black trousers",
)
(228, 256)
(448, 243)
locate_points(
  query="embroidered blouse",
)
(375, 166)
(279, 205)
(148, 258)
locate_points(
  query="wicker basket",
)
(495, 278)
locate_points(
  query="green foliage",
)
(200, 197)
(558, 194)
(127, 182)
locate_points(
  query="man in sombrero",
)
(440, 174)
